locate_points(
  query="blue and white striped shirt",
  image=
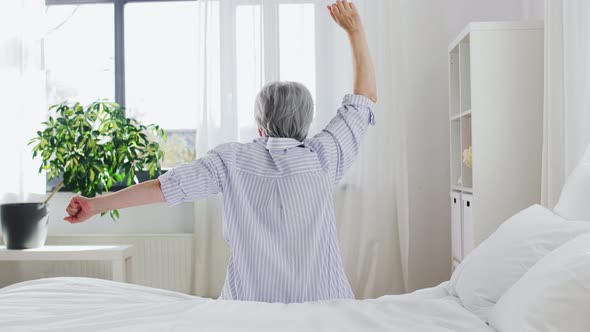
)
(278, 208)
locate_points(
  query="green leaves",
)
(95, 146)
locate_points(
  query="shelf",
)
(460, 115)
(466, 172)
(456, 157)
(463, 189)
(465, 75)
(454, 102)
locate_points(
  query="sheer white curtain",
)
(567, 92)
(22, 95)
(247, 43)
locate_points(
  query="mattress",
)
(85, 304)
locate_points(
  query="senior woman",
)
(278, 204)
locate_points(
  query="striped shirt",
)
(278, 208)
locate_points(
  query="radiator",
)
(160, 260)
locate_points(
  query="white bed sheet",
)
(85, 304)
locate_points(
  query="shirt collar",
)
(279, 143)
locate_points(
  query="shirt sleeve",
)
(202, 178)
(338, 144)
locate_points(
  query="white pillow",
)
(498, 262)
(554, 295)
(574, 202)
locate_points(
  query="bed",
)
(86, 304)
(532, 274)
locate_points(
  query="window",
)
(142, 54)
(79, 51)
(161, 72)
(297, 48)
(274, 42)
(153, 75)
(249, 66)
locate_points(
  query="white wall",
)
(533, 9)
(430, 26)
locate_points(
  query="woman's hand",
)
(346, 15)
(80, 209)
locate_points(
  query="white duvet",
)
(83, 304)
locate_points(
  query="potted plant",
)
(90, 149)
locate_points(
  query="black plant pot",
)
(24, 225)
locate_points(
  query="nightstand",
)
(120, 256)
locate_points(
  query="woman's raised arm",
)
(346, 15)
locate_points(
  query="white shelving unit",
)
(496, 107)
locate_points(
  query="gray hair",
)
(284, 109)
